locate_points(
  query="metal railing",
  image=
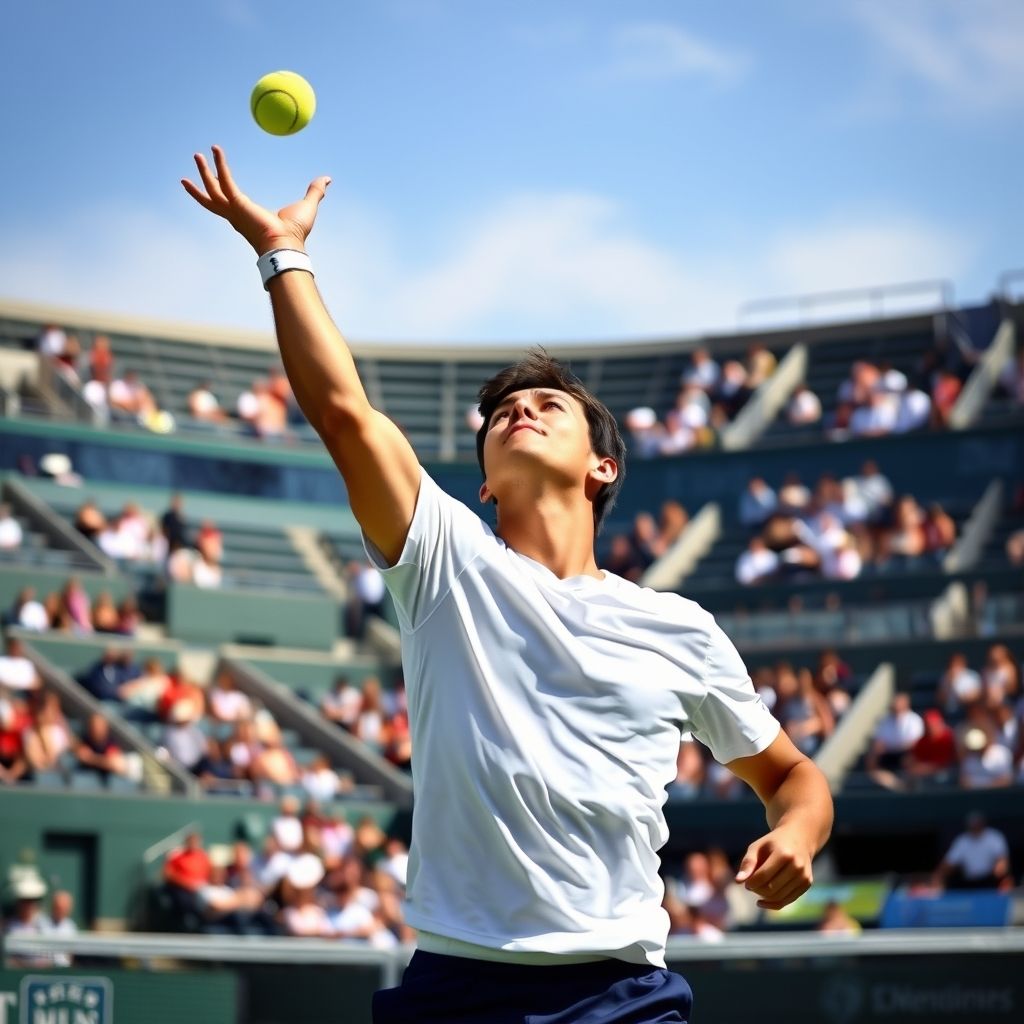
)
(874, 297)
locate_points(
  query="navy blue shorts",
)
(453, 990)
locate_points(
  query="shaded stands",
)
(713, 584)
(56, 660)
(908, 350)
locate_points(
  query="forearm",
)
(802, 802)
(316, 358)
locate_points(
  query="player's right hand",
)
(260, 227)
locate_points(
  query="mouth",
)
(521, 426)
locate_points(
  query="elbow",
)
(342, 416)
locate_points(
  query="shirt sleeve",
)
(731, 719)
(444, 537)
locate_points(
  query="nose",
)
(522, 407)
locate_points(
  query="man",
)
(547, 698)
(979, 858)
(60, 922)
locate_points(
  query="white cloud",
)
(661, 50)
(538, 267)
(967, 53)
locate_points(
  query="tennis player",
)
(547, 698)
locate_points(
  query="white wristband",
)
(277, 261)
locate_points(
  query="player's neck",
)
(555, 530)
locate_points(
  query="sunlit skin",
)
(543, 473)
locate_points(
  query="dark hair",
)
(538, 370)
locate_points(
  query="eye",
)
(553, 404)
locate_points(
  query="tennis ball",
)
(283, 103)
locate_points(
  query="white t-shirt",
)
(898, 733)
(10, 533)
(977, 855)
(546, 717)
(18, 673)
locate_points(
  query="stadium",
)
(295, 731)
(288, 634)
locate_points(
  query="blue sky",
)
(517, 171)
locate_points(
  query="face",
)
(541, 431)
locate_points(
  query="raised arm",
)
(378, 464)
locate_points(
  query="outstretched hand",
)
(260, 227)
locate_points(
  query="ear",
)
(485, 493)
(606, 471)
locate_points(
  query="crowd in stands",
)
(377, 717)
(837, 531)
(314, 876)
(709, 396)
(973, 735)
(135, 537)
(29, 919)
(72, 610)
(266, 409)
(631, 554)
(35, 735)
(807, 702)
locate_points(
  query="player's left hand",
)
(777, 868)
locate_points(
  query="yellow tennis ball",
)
(283, 103)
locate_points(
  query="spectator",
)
(645, 432)
(733, 390)
(275, 764)
(144, 693)
(14, 721)
(698, 889)
(877, 417)
(836, 921)
(874, 490)
(757, 563)
(203, 404)
(280, 388)
(933, 756)
(75, 602)
(1000, 674)
(105, 677)
(914, 411)
(210, 541)
(130, 397)
(184, 740)
(90, 521)
(60, 923)
(28, 612)
(365, 597)
(105, 618)
(320, 780)
(761, 365)
(244, 748)
(704, 372)
(959, 686)
(350, 917)
(301, 914)
(894, 737)
(11, 534)
(97, 750)
(757, 503)
(804, 407)
(287, 827)
(987, 763)
(945, 392)
(673, 519)
(905, 541)
(101, 360)
(172, 523)
(225, 702)
(236, 909)
(831, 680)
(261, 411)
(129, 618)
(206, 571)
(47, 736)
(51, 342)
(371, 725)
(690, 771)
(1015, 548)
(803, 712)
(17, 671)
(939, 531)
(27, 919)
(342, 704)
(979, 858)
(186, 870)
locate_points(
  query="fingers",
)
(213, 189)
(197, 194)
(227, 182)
(784, 895)
(317, 189)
